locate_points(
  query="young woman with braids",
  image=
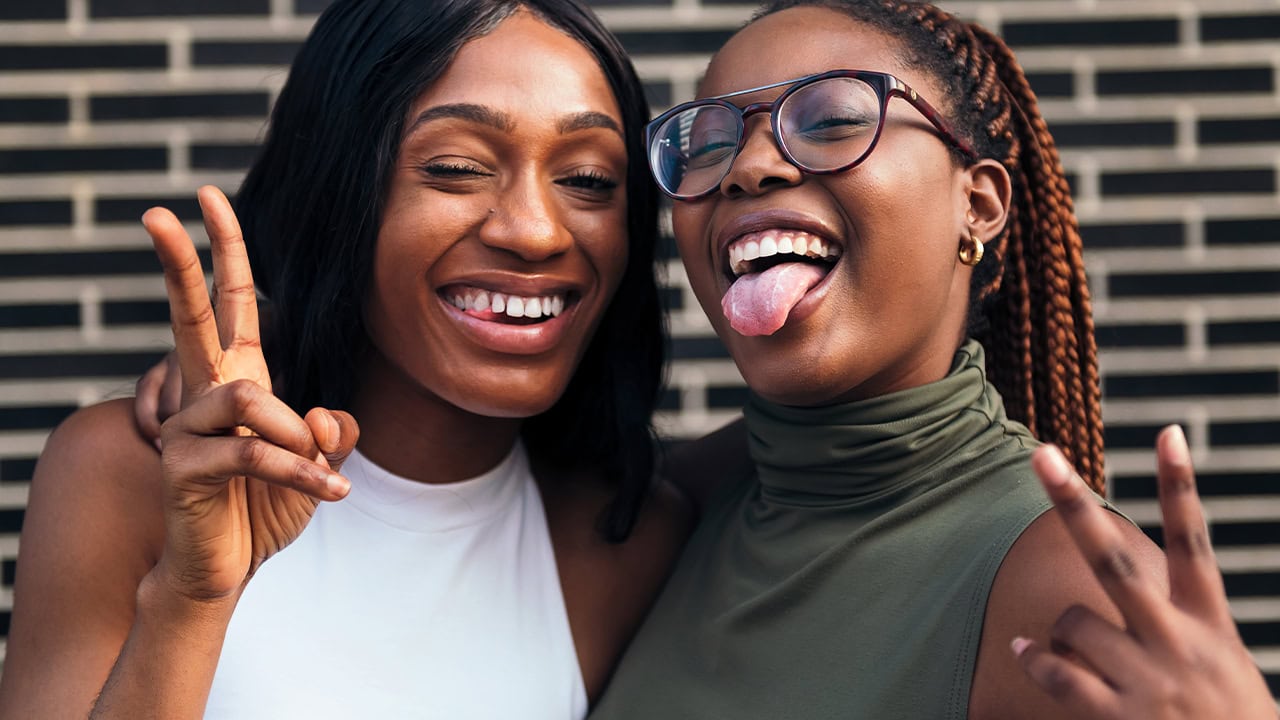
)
(872, 213)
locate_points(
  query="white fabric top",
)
(408, 600)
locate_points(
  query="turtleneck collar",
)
(863, 450)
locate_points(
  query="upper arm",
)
(92, 529)
(1042, 575)
(701, 467)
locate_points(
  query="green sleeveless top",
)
(849, 577)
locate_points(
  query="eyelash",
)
(453, 170)
(591, 180)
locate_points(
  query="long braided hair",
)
(1029, 303)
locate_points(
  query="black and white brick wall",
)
(1167, 113)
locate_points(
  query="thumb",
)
(335, 432)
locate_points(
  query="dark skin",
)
(895, 304)
(164, 544)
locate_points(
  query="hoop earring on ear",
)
(971, 251)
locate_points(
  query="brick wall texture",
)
(1167, 113)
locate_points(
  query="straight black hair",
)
(312, 204)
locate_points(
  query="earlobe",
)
(990, 192)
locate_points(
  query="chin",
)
(518, 399)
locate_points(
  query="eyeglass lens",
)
(825, 125)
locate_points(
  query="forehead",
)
(803, 41)
(528, 67)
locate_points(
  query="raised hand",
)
(243, 473)
(1180, 654)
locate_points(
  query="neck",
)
(414, 433)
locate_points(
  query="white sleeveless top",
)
(408, 600)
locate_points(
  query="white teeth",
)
(774, 242)
(516, 306)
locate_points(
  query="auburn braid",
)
(1029, 301)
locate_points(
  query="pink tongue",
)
(759, 303)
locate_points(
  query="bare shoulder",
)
(609, 587)
(93, 527)
(1041, 577)
(701, 467)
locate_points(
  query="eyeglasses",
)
(823, 124)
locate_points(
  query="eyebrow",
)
(498, 120)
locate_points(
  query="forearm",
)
(166, 666)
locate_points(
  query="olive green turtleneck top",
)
(849, 577)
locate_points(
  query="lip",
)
(514, 339)
(766, 220)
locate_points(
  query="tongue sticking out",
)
(759, 303)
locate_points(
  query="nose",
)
(760, 165)
(526, 221)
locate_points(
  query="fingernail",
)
(337, 485)
(1176, 445)
(159, 444)
(1020, 645)
(1058, 472)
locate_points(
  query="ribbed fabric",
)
(849, 578)
(408, 600)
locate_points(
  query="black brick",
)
(44, 417)
(155, 107)
(99, 159)
(82, 57)
(126, 364)
(35, 212)
(1244, 433)
(1245, 533)
(658, 94)
(310, 7)
(671, 298)
(32, 316)
(1244, 282)
(1192, 384)
(135, 312)
(1114, 134)
(1208, 484)
(1252, 584)
(1240, 27)
(1146, 335)
(1124, 236)
(664, 42)
(244, 53)
(667, 248)
(10, 523)
(1131, 437)
(1052, 84)
(33, 10)
(1248, 231)
(34, 110)
(732, 398)
(1189, 181)
(222, 156)
(1103, 32)
(697, 348)
(669, 400)
(1261, 632)
(130, 210)
(1234, 131)
(1244, 332)
(105, 262)
(1188, 81)
(8, 572)
(17, 469)
(162, 8)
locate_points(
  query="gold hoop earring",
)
(971, 251)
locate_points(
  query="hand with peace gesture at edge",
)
(1181, 656)
(243, 473)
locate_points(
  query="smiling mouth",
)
(770, 272)
(508, 308)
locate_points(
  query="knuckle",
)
(1117, 565)
(250, 453)
(1192, 543)
(1058, 680)
(1069, 623)
(244, 397)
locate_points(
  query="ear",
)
(989, 192)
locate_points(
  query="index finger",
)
(237, 300)
(1194, 577)
(195, 333)
(1130, 587)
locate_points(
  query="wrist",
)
(162, 595)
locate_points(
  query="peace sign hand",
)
(1180, 656)
(243, 473)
